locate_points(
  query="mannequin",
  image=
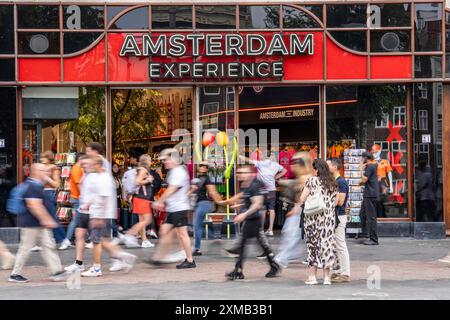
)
(384, 170)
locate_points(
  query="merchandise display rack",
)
(64, 161)
(352, 173)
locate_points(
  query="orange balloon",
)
(208, 139)
(221, 138)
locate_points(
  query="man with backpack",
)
(36, 223)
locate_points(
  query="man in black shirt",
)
(251, 199)
(368, 211)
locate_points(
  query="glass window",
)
(39, 43)
(428, 26)
(113, 11)
(296, 18)
(38, 17)
(6, 29)
(7, 67)
(428, 66)
(172, 17)
(355, 40)
(390, 15)
(317, 10)
(215, 17)
(390, 41)
(346, 15)
(259, 17)
(355, 118)
(77, 41)
(84, 17)
(8, 153)
(135, 19)
(428, 174)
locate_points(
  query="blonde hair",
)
(144, 161)
(97, 160)
(48, 155)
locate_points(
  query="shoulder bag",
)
(314, 204)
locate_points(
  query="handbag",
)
(314, 204)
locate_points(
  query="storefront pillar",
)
(446, 154)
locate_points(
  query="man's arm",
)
(37, 209)
(256, 205)
(169, 191)
(281, 173)
(341, 198)
(212, 191)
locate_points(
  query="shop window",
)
(6, 29)
(215, 17)
(354, 40)
(428, 66)
(399, 117)
(356, 118)
(77, 41)
(83, 17)
(423, 120)
(346, 15)
(428, 174)
(172, 17)
(39, 43)
(38, 17)
(428, 26)
(136, 19)
(294, 18)
(390, 41)
(393, 15)
(259, 17)
(317, 10)
(383, 121)
(7, 67)
(8, 152)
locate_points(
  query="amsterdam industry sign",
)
(217, 45)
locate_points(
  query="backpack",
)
(129, 182)
(16, 202)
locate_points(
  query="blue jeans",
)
(202, 208)
(73, 224)
(58, 232)
(114, 228)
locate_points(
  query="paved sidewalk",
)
(408, 270)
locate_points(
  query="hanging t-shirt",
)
(284, 159)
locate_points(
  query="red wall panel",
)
(392, 67)
(342, 64)
(37, 69)
(89, 66)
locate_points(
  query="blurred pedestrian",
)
(292, 245)
(319, 227)
(75, 176)
(251, 200)
(342, 274)
(6, 257)
(35, 226)
(101, 204)
(175, 201)
(204, 190)
(117, 176)
(52, 183)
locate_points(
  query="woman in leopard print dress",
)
(319, 228)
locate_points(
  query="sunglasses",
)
(243, 172)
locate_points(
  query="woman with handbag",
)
(141, 204)
(319, 198)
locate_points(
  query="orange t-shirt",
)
(74, 179)
(384, 167)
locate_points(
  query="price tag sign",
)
(426, 138)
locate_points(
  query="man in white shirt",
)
(175, 201)
(99, 200)
(268, 172)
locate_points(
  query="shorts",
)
(141, 206)
(104, 232)
(83, 220)
(178, 219)
(271, 200)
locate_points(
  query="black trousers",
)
(252, 229)
(368, 215)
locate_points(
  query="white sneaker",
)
(92, 272)
(128, 259)
(65, 244)
(153, 234)
(269, 233)
(147, 244)
(116, 241)
(89, 245)
(284, 266)
(327, 281)
(60, 276)
(75, 267)
(8, 261)
(131, 242)
(36, 249)
(118, 265)
(175, 257)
